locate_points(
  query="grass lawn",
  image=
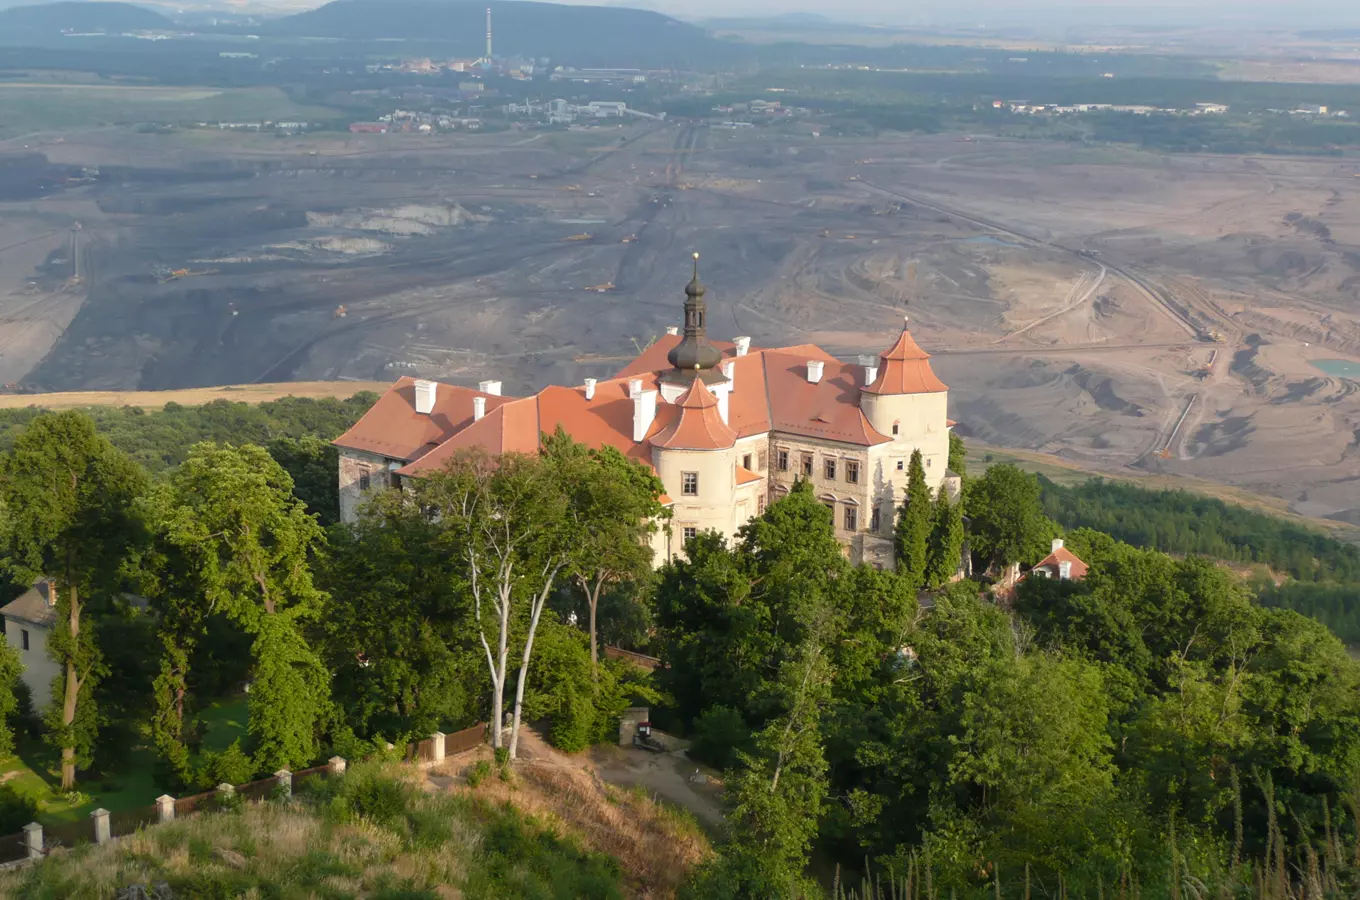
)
(36, 771)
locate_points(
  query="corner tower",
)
(907, 402)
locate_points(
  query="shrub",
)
(231, 766)
(372, 794)
(16, 810)
(476, 774)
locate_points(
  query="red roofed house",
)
(728, 428)
(1062, 564)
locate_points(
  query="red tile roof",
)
(392, 427)
(1062, 555)
(904, 368)
(770, 392)
(746, 476)
(698, 426)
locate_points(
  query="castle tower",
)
(907, 402)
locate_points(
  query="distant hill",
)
(581, 35)
(82, 17)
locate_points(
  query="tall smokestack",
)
(488, 34)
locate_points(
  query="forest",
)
(1149, 730)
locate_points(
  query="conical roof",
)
(904, 368)
(698, 425)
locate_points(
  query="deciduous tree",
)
(1007, 518)
(68, 515)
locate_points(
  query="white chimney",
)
(644, 411)
(743, 345)
(478, 408)
(1057, 544)
(814, 371)
(489, 387)
(672, 329)
(590, 388)
(634, 387)
(729, 370)
(425, 391)
(870, 364)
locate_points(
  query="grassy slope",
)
(388, 831)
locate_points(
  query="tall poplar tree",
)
(68, 500)
(914, 522)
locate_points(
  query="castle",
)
(729, 428)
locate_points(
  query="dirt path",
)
(665, 775)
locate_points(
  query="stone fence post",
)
(101, 826)
(337, 765)
(165, 808)
(437, 753)
(33, 840)
(284, 779)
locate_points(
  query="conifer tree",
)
(914, 522)
(946, 541)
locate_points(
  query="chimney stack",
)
(1057, 544)
(743, 345)
(870, 364)
(425, 393)
(814, 371)
(729, 370)
(635, 388)
(672, 329)
(489, 387)
(478, 408)
(644, 412)
(590, 388)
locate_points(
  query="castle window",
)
(852, 471)
(807, 465)
(851, 518)
(690, 532)
(23, 638)
(895, 428)
(746, 462)
(929, 460)
(876, 520)
(365, 481)
(829, 469)
(689, 484)
(901, 465)
(781, 460)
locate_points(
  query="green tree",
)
(249, 545)
(506, 518)
(945, 548)
(312, 463)
(11, 667)
(613, 507)
(397, 634)
(958, 456)
(1007, 518)
(68, 515)
(914, 522)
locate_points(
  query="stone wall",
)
(354, 465)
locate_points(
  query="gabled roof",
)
(34, 606)
(904, 368)
(392, 427)
(828, 409)
(1063, 555)
(698, 426)
(746, 476)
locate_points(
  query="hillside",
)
(82, 17)
(584, 35)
